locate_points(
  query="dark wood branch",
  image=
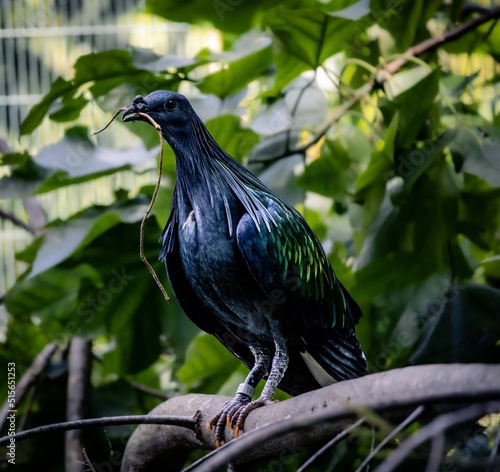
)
(80, 355)
(436, 428)
(30, 376)
(311, 418)
(5, 215)
(188, 422)
(432, 43)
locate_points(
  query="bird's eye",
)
(170, 104)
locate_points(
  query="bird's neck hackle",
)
(210, 179)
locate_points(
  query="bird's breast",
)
(215, 268)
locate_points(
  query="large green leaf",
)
(74, 159)
(418, 226)
(52, 297)
(207, 360)
(477, 156)
(235, 16)
(412, 93)
(406, 21)
(63, 239)
(103, 71)
(252, 56)
(463, 326)
(305, 38)
(231, 137)
(479, 212)
(332, 174)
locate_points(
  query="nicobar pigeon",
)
(246, 268)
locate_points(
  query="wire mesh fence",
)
(39, 41)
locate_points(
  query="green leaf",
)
(418, 226)
(476, 156)
(412, 93)
(137, 338)
(58, 88)
(51, 296)
(231, 137)
(147, 59)
(305, 38)
(380, 167)
(406, 21)
(252, 56)
(72, 160)
(479, 212)
(331, 174)
(104, 71)
(206, 357)
(491, 265)
(464, 327)
(63, 239)
(235, 16)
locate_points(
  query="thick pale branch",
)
(395, 393)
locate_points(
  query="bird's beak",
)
(130, 114)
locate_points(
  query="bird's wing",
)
(292, 269)
(194, 308)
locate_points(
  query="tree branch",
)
(80, 354)
(435, 428)
(5, 215)
(433, 43)
(189, 422)
(395, 393)
(39, 364)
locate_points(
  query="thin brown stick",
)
(153, 198)
(150, 206)
(110, 121)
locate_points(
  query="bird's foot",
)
(234, 414)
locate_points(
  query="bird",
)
(246, 268)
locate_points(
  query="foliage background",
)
(402, 187)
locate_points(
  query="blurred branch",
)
(432, 43)
(5, 215)
(39, 364)
(80, 355)
(182, 421)
(336, 439)
(436, 428)
(289, 426)
(403, 425)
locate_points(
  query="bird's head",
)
(172, 111)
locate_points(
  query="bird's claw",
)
(234, 414)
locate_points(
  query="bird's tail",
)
(337, 358)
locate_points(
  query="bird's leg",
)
(278, 369)
(243, 395)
